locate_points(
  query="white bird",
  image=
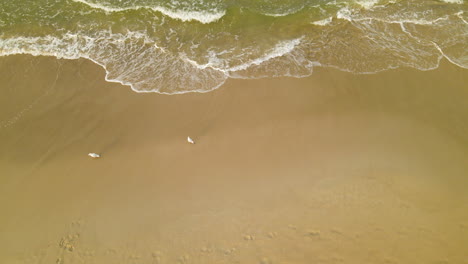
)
(189, 140)
(94, 155)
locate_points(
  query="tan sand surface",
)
(334, 168)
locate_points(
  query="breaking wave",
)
(183, 14)
(151, 54)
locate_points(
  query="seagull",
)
(189, 140)
(94, 155)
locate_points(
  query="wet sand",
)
(334, 168)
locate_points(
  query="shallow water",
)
(195, 46)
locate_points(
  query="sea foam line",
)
(445, 56)
(75, 46)
(287, 13)
(280, 49)
(346, 14)
(103, 66)
(459, 15)
(367, 4)
(436, 46)
(323, 22)
(185, 16)
(453, 1)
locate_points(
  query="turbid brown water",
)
(335, 168)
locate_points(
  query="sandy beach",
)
(333, 168)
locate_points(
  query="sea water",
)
(179, 46)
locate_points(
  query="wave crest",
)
(201, 16)
(170, 57)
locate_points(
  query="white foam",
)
(278, 15)
(279, 50)
(135, 60)
(448, 58)
(367, 4)
(344, 13)
(215, 63)
(37, 46)
(183, 15)
(323, 22)
(106, 8)
(127, 67)
(282, 14)
(347, 14)
(453, 1)
(460, 15)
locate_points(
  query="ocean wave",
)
(169, 57)
(204, 17)
(134, 59)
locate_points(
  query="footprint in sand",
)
(183, 259)
(68, 242)
(249, 237)
(229, 251)
(157, 256)
(272, 235)
(206, 250)
(312, 233)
